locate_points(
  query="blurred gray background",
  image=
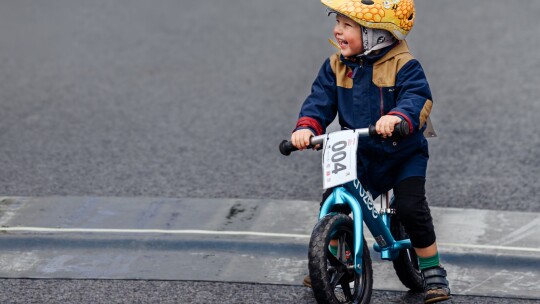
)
(191, 98)
(176, 99)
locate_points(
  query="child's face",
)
(348, 35)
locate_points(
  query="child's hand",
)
(300, 138)
(385, 125)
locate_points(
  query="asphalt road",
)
(107, 291)
(176, 99)
(190, 99)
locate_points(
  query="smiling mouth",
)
(342, 43)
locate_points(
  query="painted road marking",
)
(233, 233)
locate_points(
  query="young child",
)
(375, 80)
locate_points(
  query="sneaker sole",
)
(437, 299)
(307, 282)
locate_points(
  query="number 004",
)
(339, 156)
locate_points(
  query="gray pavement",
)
(249, 241)
(164, 98)
(173, 99)
(106, 291)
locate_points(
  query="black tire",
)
(330, 276)
(406, 264)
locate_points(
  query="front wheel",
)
(406, 264)
(333, 278)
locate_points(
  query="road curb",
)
(486, 252)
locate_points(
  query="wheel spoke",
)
(335, 278)
(345, 278)
(341, 247)
(346, 290)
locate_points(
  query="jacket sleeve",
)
(320, 107)
(414, 100)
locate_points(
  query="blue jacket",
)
(361, 91)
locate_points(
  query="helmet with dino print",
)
(395, 16)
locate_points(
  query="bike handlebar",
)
(400, 130)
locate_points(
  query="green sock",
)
(333, 250)
(429, 262)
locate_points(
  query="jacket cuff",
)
(404, 116)
(310, 123)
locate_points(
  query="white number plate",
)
(339, 158)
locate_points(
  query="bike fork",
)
(340, 196)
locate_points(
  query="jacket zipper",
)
(359, 66)
(382, 101)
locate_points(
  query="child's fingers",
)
(301, 139)
(389, 128)
(293, 140)
(378, 126)
(298, 140)
(382, 127)
(386, 125)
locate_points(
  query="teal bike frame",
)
(363, 210)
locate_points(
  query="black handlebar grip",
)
(372, 131)
(286, 147)
(400, 130)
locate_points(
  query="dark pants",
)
(412, 210)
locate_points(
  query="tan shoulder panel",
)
(384, 74)
(424, 114)
(341, 71)
(386, 68)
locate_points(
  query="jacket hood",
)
(399, 48)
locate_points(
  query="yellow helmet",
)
(395, 16)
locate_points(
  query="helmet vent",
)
(368, 2)
(411, 16)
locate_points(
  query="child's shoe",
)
(307, 281)
(436, 287)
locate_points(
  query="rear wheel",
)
(406, 264)
(333, 278)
